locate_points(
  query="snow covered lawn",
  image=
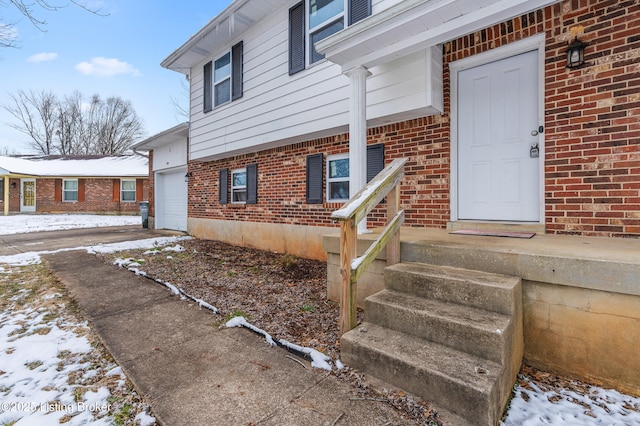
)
(21, 224)
(53, 369)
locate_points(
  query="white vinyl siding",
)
(279, 109)
(70, 190)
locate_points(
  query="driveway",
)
(54, 240)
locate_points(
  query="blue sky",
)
(114, 55)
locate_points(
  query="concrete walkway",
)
(195, 373)
(70, 238)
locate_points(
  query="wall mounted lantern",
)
(575, 54)
(13, 184)
(187, 176)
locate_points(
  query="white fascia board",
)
(345, 47)
(181, 131)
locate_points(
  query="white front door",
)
(28, 195)
(497, 123)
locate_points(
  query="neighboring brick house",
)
(73, 184)
(497, 129)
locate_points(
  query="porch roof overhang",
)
(174, 134)
(220, 32)
(414, 25)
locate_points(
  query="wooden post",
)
(348, 244)
(393, 205)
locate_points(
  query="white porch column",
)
(358, 133)
(5, 195)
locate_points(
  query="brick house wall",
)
(592, 139)
(14, 196)
(101, 195)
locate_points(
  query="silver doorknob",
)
(534, 133)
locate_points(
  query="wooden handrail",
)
(385, 184)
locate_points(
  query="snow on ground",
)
(50, 372)
(536, 404)
(32, 362)
(21, 224)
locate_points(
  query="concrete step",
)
(475, 331)
(459, 382)
(491, 292)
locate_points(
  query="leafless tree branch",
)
(72, 126)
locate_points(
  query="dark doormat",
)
(507, 234)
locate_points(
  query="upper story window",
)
(127, 190)
(326, 17)
(70, 190)
(321, 19)
(223, 78)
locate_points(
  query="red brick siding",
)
(98, 198)
(592, 155)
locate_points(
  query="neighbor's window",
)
(338, 177)
(239, 186)
(127, 190)
(70, 190)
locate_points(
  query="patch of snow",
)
(145, 419)
(177, 248)
(205, 305)
(318, 359)
(533, 406)
(339, 364)
(34, 380)
(22, 224)
(32, 258)
(242, 322)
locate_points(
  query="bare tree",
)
(30, 9)
(182, 111)
(36, 116)
(74, 127)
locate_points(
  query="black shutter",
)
(236, 71)
(375, 160)
(296, 38)
(208, 81)
(358, 10)
(252, 184)
(314, 178)
(223, 188)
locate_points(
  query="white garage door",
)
(171, 200)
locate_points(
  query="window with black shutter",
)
(375, 160)
(358, 10)
(314, 178)
(208, 80)
(223, 186)
(236, 70)
(296, 38)
(313, 20)
(252, 184)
